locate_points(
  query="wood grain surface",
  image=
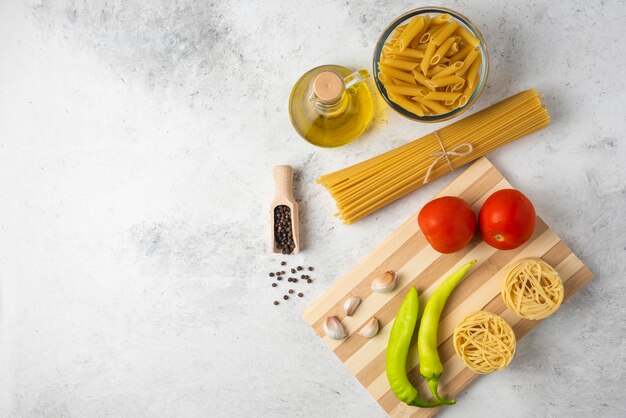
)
(407, 252)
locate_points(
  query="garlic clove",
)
(350, 305)
(370, 329)
(334, 329)
(384, 283)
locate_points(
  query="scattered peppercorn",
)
(291, 291)
(283, 263)
(279, 278)
(274, 284)
(295, 280)
(299, 268)
(293, 271)
(300, 294)
(285, 297)
(275, 302)
(309, 280)
(310, 268)
(272, 274)
(303, 276)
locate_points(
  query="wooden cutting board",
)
(417, 264)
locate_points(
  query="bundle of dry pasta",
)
(368, 186)
(430, 66)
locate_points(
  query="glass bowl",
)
(461, 20)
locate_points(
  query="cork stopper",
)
(328, 86)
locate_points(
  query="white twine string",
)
(456, 151)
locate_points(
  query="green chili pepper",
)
(430, 364)
(398, 349)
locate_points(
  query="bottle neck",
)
(331, 108)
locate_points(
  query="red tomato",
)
(448, 223)
(507, 219)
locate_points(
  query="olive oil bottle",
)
(331, 105)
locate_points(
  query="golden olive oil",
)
(331, 105)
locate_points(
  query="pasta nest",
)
(484, 342)
(533, 289)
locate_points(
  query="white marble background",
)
(136, 145)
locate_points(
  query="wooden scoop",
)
(283, 183)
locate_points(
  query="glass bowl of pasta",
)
(431, 64)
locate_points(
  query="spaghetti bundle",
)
(533, 289)
(368, 186)
(484, 342)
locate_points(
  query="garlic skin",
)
(334, 329)
(385, 283)
(350, 305)
(370, 329)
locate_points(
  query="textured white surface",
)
(136, 145)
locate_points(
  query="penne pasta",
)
(395, 62)
(406, 104)
(437, 108)
(469, 60)
(453, 49)
(428, 54)
(459, 56)
(408, 52)
(473, 72)
(443, 34)
(407, 90)
(441, 19)
(468, 37)
(442, 50)
(430, 65)
(444, 81)
(395, 73)
(423, 80)
(449, 70)
(412, 29)
(441, 96)
(435, 70)
(401, 83)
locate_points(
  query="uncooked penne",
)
(432, 66)
(428, 55)
(459, 56)
(395, 73)
(412, 29)
(440, 19)
(469, 60)
(445, 32)
(444, 81)
(468, 37)
(449, 70)
(406, 104)
(407, 90)
(435, 70)
(408, 52)
(400, 64)
(441, 96)
(472, 72)
(423, 80)
(442, 50)
(432, 105)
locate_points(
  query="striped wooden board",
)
(417, 264)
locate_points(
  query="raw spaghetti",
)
(533, 289)
(368, 186)
(484, 342)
